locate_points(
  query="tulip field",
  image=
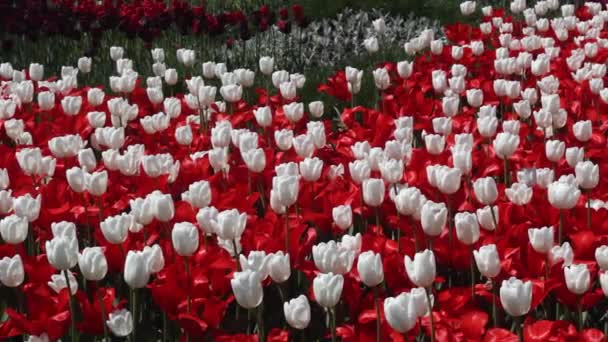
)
(256, 174)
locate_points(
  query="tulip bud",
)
(28, 207)
(316, 109)
(263, 116)
(288, 90)
(342, 216)
(230, 224)
(14, 229)
(467, 228)
(554, 149)
(294, 111)
(433, 217)
(475, 97)
(327, 288)
(563, 195)
(266, 65)
(62, 252)
(310, 169)
(171, 77)
(120, 322)
(247, 288)
(12, 273)
(116, 228)
(421, 270)
(329, 257)
(286, 188)
(485, 190)
(198, 194)
(373, 191)
(155, 260)
(578, 278)
(541, 239)
(587, 174)
(516, 296)
(391, 170)
(434, 143)
(519, 194)
(136, 273)
(561, 253)
(582, 130)
(95, 97)
(505, 144)
(279, 267)
(487, 260)
(400, 312)
(370, 270)
(297, 312)
(185, 238)
(92, 263)
(601, 256)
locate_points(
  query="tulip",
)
(198, 194)
(587, 174)
(400, 312)
(316, 109)
(342, 216)
(327, 288)
(120, 323)
(574, 155)
(283, 139)
(247, 288)
(183, 135)
(331, 258)
(516, 298)
(14, 229)
(229, 224)
(266, 65)
(554, 149)
(294, 111)
(185, 238)
(136, 273)
(485, 190)
(12, 273)
(582, 130)
(487, 260)
(62, 252)
(373, 191)
(310, 169)
(92, 263)
(519, 194)
(433, 217)
(421, 270)
(316, 130)
(304, 145)
(577, 278)
(255, 160)
(467, 228)
(541, 239)
(601, 256)
(404, 69)
(263, 116)
(297, 312)
(369, 267)
(561, 253)
(288, 90)
(116, 228)
(162, 206)
(467, 7)
(474, 97)
(278, 267)
(155, 260)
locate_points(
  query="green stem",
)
(589, 209)
(103, 316)
(494, 313)
(187, 269)
(378, 317)
(332, 323)
(72, 307)
(430, 305)
(134, 313)
(472, 274)
(413, 225)
(260, 318)
(506, 171)
(561, 227)
(165, 326)
(579, 306)
(287, 230)
(494, 220)
(377, 217)
(518, 328)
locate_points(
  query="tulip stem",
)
(260, 318)
(165, 326)
(494, 220)
(494, 313)
(378, 317)
(430, 305)
(332, 323)
(103, 316)
(518, 328)
(449, 236)
(589, 209)
(506, 171)
(377, 217)
(134, 313)
(561, 227)
(100, 206)
(579, 306)
(87, 222)
(287, 230)
(472, 274)
(187, 269)
(72, 307)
